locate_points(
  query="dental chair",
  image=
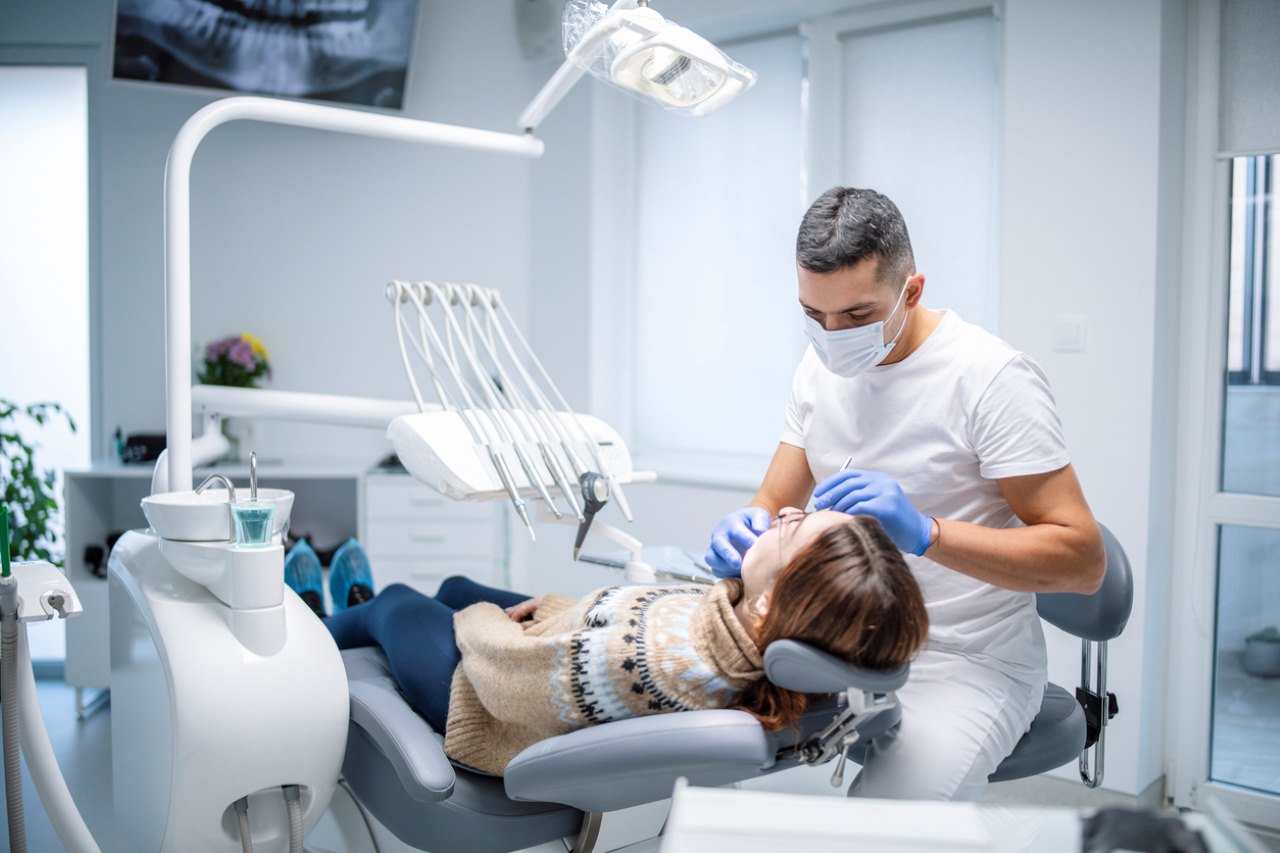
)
(1068, 727)
(396, 768)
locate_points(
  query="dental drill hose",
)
(9, 693)
(293, 804)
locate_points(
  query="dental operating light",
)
(632, 47)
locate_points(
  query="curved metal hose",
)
(242, 820)
(12, 738)
(293, 804)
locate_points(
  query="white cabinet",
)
(415, 536)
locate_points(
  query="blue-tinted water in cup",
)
(253, 522)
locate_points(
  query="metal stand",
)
(84, 709)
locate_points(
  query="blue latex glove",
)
(858, 492)
(735, 533)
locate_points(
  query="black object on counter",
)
(1116, 828)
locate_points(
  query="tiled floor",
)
(1246, 727)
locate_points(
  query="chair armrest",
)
(629, 762)
(395, 730)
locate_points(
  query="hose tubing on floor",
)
(43, 764)
(293, 803)
(242, 820)
(12, 736)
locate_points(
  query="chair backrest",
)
(797, 666)
(1102, 615)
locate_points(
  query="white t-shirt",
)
(948, 420)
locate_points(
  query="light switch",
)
(1070, 332)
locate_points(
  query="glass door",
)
(1245, 727)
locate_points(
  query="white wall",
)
(1082, 195)
(295, 232)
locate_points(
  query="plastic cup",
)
(253, 522)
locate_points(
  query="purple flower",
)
(218, 348)
(241, 353)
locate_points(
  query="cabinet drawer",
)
(425, 574)
(433, 537)
(404, 497)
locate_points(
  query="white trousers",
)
(960, 719)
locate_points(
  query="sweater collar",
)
(732, 648)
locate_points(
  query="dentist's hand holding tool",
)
(735, 533)
(858, 492)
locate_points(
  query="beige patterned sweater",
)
(619, 652)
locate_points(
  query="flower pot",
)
(1262, 657)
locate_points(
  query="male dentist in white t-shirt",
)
(957, 449)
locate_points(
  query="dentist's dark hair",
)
(849, 593)
(846, 225)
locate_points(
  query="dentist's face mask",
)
(849, 352)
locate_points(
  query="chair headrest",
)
(1102, 615)
(797, 666)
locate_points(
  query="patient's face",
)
(792, 530)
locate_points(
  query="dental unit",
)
(230, 702)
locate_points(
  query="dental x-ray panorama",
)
(352, 51)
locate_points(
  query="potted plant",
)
(1262, 653)
(239, 361)
(28, 490)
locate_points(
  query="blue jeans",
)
(415, 632)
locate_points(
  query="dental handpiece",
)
(595, 494)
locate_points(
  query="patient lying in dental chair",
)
(495, 671)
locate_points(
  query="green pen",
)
(4, 539)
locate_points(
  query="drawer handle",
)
(427, 537)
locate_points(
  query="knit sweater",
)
(619, 652)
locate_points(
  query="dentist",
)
(957, 449)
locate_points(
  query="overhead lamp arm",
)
(565, 78)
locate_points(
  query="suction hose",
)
(43, 764)
(242, 820)
(9, 699)
(293, 803)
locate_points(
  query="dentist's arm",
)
(1059, 550)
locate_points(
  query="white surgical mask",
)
(849, 352)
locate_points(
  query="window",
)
(717, 330)
(1253, 333)
(1251, 403)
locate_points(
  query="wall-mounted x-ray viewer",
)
(355, 52)
(633, 48)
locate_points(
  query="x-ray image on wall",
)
(353, 51)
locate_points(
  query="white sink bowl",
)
(206, 517)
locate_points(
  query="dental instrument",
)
(460, 295)
(484, 426)
(595, 493)
(476, 351)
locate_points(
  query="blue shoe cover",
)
(302, 572)
(349, 570)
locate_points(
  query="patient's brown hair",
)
(849, 593)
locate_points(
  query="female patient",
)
(494, 685)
